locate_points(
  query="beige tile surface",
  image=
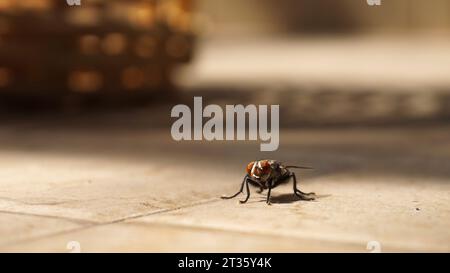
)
(98, 183)
(15, 228)
(141, 237)
(401, 215)
(137, 190)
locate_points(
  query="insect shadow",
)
(288, 198)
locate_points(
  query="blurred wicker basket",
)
(101, 47)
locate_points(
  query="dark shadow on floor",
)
(288, 198)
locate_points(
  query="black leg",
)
(248, 192)
(240, 191)
(299, 193)
(260, 190)
(268, 193)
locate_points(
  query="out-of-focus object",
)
(101, 46)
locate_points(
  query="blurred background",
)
(328, 62)
(85, 99)
(323, 61)
(51, 50)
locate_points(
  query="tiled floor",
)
(116, 189)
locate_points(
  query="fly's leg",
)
(268, 193)
(248, 191)
(303, 196)
(240, 190)
(260, 190)
(296, 189)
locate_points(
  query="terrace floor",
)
(135, 189)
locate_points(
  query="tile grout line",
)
(243, 232)
(90, 224)
(194, 204)
(74, 220)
